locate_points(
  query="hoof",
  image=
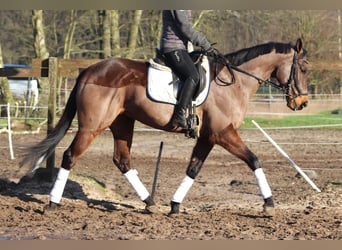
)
(152, 209)
(174, 208)
(173, 214)
(269, 211)
(52, 207)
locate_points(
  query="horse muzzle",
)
(298, 103)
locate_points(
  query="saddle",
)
(164, 86)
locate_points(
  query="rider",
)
(176, 33)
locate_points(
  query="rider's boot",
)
(179, 115)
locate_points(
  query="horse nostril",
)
(304, 104)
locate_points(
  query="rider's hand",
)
(211, 52)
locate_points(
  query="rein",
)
(230, 68)
(260, 81)
(286, 88)
(220, 59)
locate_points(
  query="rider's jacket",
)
(177, 31)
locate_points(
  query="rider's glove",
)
(211, 52)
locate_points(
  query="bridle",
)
(286, 88)
(294, 77)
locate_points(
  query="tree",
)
(68, 41)
(133, 33)
(105, 32)
(115, 31)
(16, 36)
(5, 93)
(107, 48)
(136, 33)
(39, 35)
(150, 32)
(39, 43)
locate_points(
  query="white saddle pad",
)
(161, 86)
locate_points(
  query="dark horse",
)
(112, 94)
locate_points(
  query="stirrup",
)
(193, 122)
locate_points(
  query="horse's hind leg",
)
(230, 140)
(122, 130)
(79, 145)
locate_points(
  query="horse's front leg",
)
(199, 154)
(122, 130)
(231, 141)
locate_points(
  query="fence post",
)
(9, 131)
(53, 76)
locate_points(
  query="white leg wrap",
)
(58, 188)
(133, 179)
(183, 189)
(265, 189)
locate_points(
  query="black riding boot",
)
(179, 115)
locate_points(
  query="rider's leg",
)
(179, 115)
(183, 66)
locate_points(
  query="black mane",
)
(239, 57)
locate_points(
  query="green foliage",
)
(325, 119)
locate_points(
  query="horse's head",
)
(292, 77)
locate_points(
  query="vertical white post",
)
(9, 131)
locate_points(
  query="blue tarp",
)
(16, 66)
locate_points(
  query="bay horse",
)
(112, 94)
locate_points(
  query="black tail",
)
(43, 150)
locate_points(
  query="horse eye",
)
(303, 70)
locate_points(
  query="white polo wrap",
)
(265, 189)
(138, 186)
(183, 189)
(58, 188)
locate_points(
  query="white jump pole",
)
(9, 131)
(287, 157)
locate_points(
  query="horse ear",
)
(299, 45)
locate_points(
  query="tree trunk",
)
(40, 48)
(104, 27)
(107, 51)
(133, 35)
(154, 32)
(115, 31)
(70, 34)
(6, 94)
(66, 55)
(39, 35)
